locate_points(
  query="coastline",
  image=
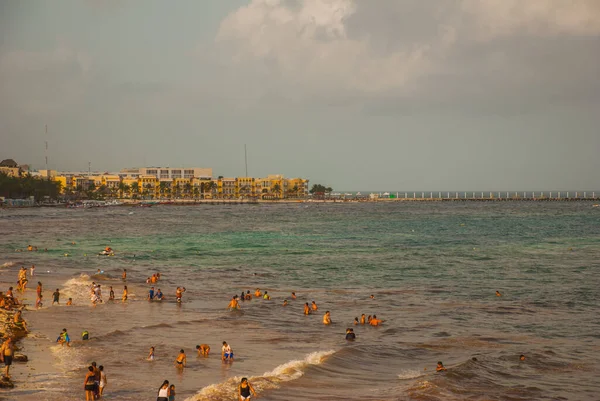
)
(198, 202)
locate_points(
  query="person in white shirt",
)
(226, 352)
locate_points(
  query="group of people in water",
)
(94, 382)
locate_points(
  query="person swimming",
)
(522, 357)
(327, 318)
(267, 296)
(440, 367)
(498, 294)
(374, 321)
(151, 354)
(314, 306)
(350, 336)
(233, 304)
(306, 309)
(285, 302)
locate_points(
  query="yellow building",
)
(149, 186)
(246, 187)
(295, 188)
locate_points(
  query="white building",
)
(168, 173)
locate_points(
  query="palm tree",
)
(196, 192)
(163, 188)
(187, 189)
(135, 188)
(122, 188)
(276, 189)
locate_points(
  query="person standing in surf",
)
(181, 359)
(163, 392)
(245, 390)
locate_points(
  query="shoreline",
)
(197, 202)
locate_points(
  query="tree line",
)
(26, 186)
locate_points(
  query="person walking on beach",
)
(172, 392)
(226, 352)
(56, 297)
(124, 276)
(245, 390)
(181, 359)
(111, 294)
(163, 392)
(32, 271)
(89, 385)
(6, 353)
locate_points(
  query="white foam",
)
(410, 374)
(8, 264)
(288, 371)
(77, 288)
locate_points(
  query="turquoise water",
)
(433, 269)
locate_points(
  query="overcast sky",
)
(355, 94)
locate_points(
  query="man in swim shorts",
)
(306, 309)
(181, 359)
(6, 353)
(327, 318)
(226, 352)
(56, 297)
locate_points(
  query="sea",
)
(432, 269)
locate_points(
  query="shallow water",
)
(432, 267)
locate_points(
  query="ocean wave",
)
(8, 264)
(410, 374)
(69, 359)
(288, 371)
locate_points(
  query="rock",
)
(5, 382)
(20, 357)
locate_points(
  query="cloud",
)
(342, 48)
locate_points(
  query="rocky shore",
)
(8, 328)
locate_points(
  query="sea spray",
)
(288, 371)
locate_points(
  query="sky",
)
(379, 95)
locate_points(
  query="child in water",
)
(172, 392)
